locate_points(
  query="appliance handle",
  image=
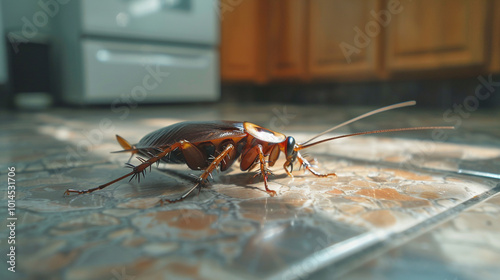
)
(172, 60)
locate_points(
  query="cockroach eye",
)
(290, 144)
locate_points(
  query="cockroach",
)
(208, 145)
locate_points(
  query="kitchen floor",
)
(407, 205)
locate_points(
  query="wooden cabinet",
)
(287, 39)
(339, 47)
(438, 35)
(263, 40)
(357, 40)
(243, 47)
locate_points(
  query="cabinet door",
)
(344, 39)
(438, 35)
(243, 40)
(287, 39)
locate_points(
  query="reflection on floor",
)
(399, 206)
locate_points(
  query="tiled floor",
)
(399, 208)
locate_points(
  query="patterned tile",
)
(387, 191)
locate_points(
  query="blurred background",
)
(58, 53)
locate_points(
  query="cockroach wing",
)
(193, 132)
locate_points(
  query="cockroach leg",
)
(259, 173)
(182, 197)
(308, 166)
(204, 176)
(285, 166)
(68, 191)
(137, 170)
(264, 171)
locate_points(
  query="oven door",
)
(190, 21)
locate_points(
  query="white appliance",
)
(137, 51)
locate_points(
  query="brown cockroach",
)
(209, 145)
